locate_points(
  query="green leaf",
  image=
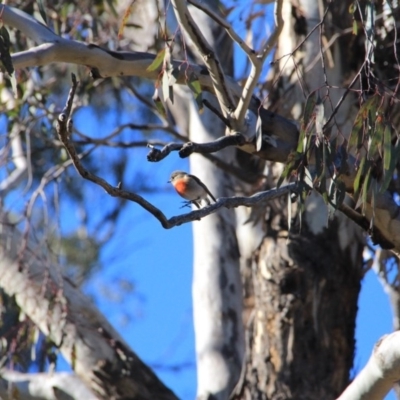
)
(319, 119)
(42, 11)
(13, 81)
(173, 75)
(308, 178)
(195, 87)
(157, 61)
(391, 155)
(374, 191)
(337, 192)
(302, 143)
(355, 27)
(259, 138)
(301, 200)
(290, 166)
(362, 122)
(360, 174)
(375, 142)
(365, 189)
(387, 147)
(319, 162)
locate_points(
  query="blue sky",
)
(159, 326)
(156, 317)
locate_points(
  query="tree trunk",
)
(306, 288)
(96, 352)
(217, 286)
(305, 277)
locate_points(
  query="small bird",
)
(190, 187)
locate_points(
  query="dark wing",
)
(203, 186)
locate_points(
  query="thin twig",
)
(186, 149)
(209, 56)
(64, 128)
(226, 25)
(217, 113)
(257, 60)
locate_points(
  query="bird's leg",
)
(187, 203)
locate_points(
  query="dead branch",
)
(186, 149)
(257, 61)
(280, 133)
(210, 58)
(64, 129)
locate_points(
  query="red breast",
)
(181, 186)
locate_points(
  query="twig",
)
(344, 95)
(257, 61)
(226, 121)
(156, 155)
(186, 149)
(226, 25)
(64, 128)
(210, 58)
(305, 38)
(376, 235)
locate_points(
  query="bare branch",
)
(377, 377)
(377, 236)
(104, 63)
(257, 61)
(226, 121)
(64, 128)
(227, 26)
(186, 149)
(210, 58)
(158, 155)
(32, 28)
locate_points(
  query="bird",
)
(191, 188)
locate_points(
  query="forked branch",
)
(64, 129)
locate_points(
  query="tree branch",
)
(104, 63)
(257, 61)
(64, 128)
(186, 149)
(222, 90)
(43, 386)
(377, 377)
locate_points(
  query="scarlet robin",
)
(190, 187)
